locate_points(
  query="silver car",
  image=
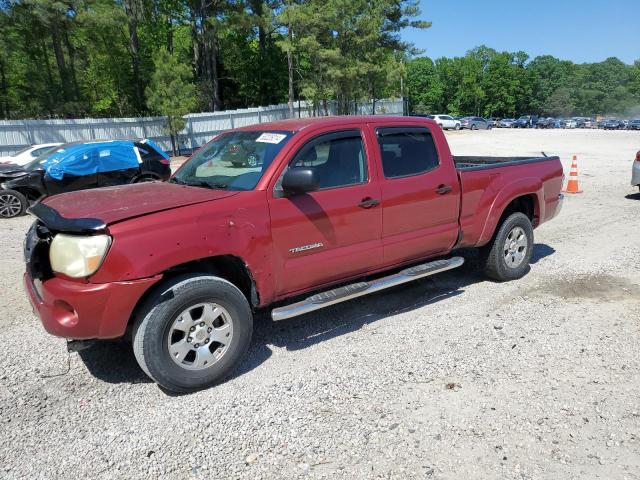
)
(635, 171)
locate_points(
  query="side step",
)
(342, 294)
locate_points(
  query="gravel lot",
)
(447, 378)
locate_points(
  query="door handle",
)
(368, 202)
(442, 189)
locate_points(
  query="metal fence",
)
(17, 134)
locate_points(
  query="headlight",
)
(78, 256)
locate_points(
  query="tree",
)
(424, 86)
(171, 93)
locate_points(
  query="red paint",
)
(156, 226)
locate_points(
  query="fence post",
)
(190, 133)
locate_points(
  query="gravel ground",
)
(450, 377)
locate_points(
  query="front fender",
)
(151, 244)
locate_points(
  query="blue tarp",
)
(90, 158)
(156, 147)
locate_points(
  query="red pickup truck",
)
(294, 215)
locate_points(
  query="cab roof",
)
(297, 124)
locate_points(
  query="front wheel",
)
(12, 203)
(192, 331)
(457, 126)
(508, 255)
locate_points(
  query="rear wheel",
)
(474, 127)
(145, 178)
(508, 255)
(12, 203)
(457, 126)
(192, 332)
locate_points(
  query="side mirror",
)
(300, 180)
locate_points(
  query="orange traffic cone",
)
(572, 184)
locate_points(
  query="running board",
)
(355, 290)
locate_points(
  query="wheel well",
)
(31, 194)
(525, 204)
(229, 267)
(146, 175)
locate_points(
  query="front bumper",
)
(77, 310)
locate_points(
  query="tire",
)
(457, 127)
(159, 333)
(474, 127)
(252, 160)
(12, 203)
(145, 178)
(516, 227)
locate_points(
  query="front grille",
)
(36, 252)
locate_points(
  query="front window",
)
(233, 161)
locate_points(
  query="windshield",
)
(40, 159)
(233, 161)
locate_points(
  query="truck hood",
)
(114, 204)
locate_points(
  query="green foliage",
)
(96, 57)
(171, 92)
(501, 84)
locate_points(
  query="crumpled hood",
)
(114, 204)
(9, 170)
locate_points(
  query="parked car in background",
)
(80, 166)
(526, 121)
(546, 122)
(625, 124)
(580, 122)
(184, 265)
(28, 154)
(613, 124)
(635, 171)
(493, 121)
(506, 123)
(475, 123)
(590, 123)
(634, 124)
(569, 123)
(447, 122)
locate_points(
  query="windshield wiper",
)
(200, 183)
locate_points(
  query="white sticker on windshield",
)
(271, 138)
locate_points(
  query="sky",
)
(577, 30)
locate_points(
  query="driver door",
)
(335, 232)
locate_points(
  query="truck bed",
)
(482, 163)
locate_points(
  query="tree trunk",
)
(215, 81)
(290, 71)
(71, 51)
(195, 41)
(169, 36)
(3, 90)
(134, 50)
(47, 69)
(257, 7)
(60, 60)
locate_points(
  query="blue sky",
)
(577, 30)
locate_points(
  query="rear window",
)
(406, 151)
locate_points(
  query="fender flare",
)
(508, 193)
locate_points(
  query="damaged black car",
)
(79, 166)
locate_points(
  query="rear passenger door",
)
(419, 194)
